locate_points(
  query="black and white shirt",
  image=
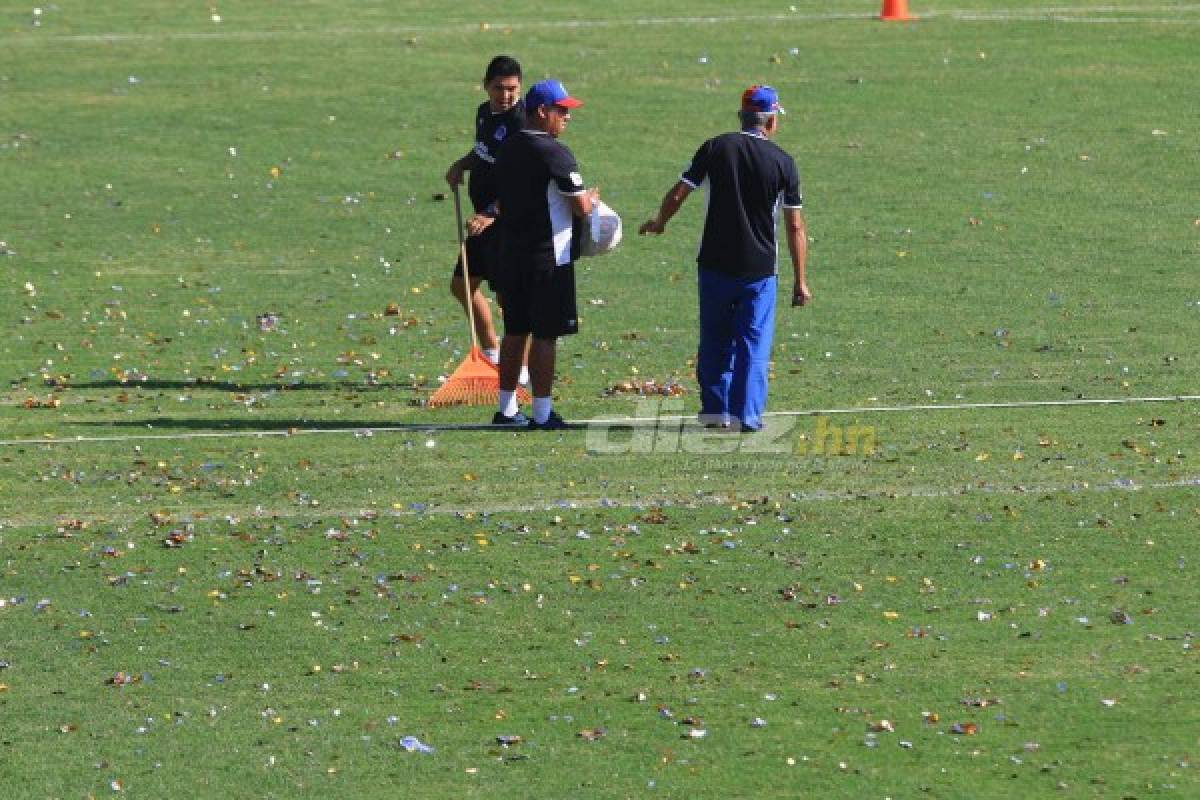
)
(747, 179)
(537, 175)
(491, 129)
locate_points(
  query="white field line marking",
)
(1100, 401)
(434, 427)
(216, 514)
(1052, 14)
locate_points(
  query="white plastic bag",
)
(602, 232)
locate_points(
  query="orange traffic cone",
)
(895, 11)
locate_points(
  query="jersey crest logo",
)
(501, 132)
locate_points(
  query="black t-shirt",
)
(491, 129)
(748, 178)
(536, 175)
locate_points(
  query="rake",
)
(476, 382)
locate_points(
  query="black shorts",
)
(539, 298)
(483, 252)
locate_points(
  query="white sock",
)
(508, 403)
(524, 377)
(541, 409)
(493, 354)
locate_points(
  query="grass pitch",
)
(208, 589)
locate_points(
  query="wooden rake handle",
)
(462, 254)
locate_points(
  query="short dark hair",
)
(502, 67)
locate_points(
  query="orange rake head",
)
(476, 382)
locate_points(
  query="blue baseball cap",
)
(761, 99)
(550, 93)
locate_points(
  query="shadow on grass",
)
(259, 424)
(237, 386)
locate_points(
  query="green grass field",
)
(245, 562)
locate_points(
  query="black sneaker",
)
(553, 423)
(714, 421)
(517, 420)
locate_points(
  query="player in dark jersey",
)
(501, 115)
(542, 201)
(748, 180)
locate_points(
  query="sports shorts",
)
(483, 251)
(539, 297)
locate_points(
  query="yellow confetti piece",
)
(891, 615)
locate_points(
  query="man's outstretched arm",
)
(671, 203)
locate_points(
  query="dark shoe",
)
(517, 420)
(714, 421)
(553, 423)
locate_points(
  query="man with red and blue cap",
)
(542, 202)
(749, 181)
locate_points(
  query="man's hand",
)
(582, 204)
(654, 225)
(801, 295)
(671, 203)
(478, 223)
(454, 175)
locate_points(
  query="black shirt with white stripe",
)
(491, 129)
(747, 178)
(536, 177)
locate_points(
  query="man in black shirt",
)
(748, 179)
(542, 201)
(500, 116)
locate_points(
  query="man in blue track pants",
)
(749, 180)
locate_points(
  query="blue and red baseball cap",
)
(761, 99)
(550, 93)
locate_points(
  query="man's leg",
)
(484, 329)
(754, 330)
(512, 349)
(542, 354)
(524, 379)
(508, 410)
(714, 357)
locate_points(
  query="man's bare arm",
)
(797, 239)
(671, 203)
